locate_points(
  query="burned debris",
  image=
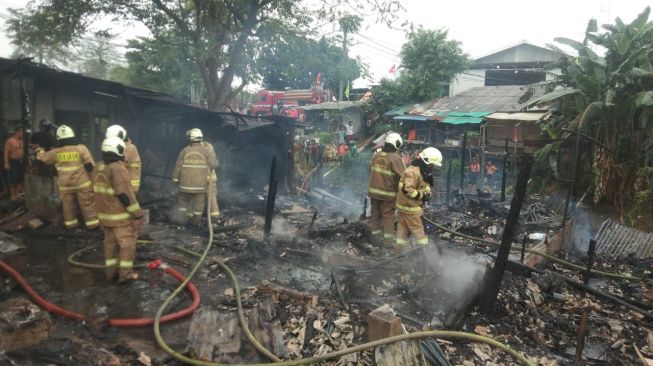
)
(478, 228)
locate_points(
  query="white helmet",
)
(116, 131)
(113, 145)
(394, 139)
(65, 132)
(431, 156)
(195, 134)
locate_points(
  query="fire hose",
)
(562, 262)
(120, 323)
(307, 361)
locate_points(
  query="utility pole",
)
(341, 83)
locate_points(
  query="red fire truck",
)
(285, 103)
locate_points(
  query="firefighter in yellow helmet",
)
(120, 214)
(413, 192)
(132, 157)
(74, 165)
(192, 173)
(213, 203)
(386, 168)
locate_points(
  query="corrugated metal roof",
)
(399, 110)
(488, 99)
(520, 53)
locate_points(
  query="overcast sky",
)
(481, 26)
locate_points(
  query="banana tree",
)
(608, 95)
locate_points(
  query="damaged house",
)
(30, 92)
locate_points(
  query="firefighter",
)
(120, 215)
(74, 165)
(132, 158)
(213, 204)
(193, 172)
(412, 193)
(386, 168)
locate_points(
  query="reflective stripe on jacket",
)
(385, 171)
(411, 185)
(133, 161)
(112, 180)
(69, 162)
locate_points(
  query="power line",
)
(393, 48)
(378, 49)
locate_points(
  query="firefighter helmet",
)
(65, 132)
(431, 156)
(394, 139)
(114, 145)
(195, 134)
(116, 131)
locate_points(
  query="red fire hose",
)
(120, 323)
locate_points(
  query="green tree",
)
(610, 98)
(429, 61)
(97, 55)
(160, 63)
(280, 66)
(219, 35)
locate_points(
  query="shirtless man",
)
(13, 158)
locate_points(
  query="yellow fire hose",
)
(312, 360)
(562, 262)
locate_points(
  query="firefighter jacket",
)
(385, 171)
(214, 176)
(412, 187)
(111, 181)
(69, 162)
(133, 161)
(194, 168)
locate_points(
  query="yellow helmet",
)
(431, 156)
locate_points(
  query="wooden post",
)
(462, 161)
(504, 174)
(591, 251)
(582, 332)
(523, 248)
(571, 189)
(272, 194)
(512, 224)
(449, 168)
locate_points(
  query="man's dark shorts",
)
(16, 172)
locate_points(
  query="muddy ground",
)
(332, 259)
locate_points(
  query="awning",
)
(411, 118)
(468, 114)
(462, 120)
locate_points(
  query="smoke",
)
(459, 275)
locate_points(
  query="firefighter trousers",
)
(382, 221)
(86, 201)
(191, 206)
(410, 223)
(119, 251)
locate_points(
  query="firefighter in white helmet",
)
(132, 157)
(413, 192)
(213, 202)
(119, 212)
(192, 173)
(74, 165)
(386, 168)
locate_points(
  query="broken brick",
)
(382, 323)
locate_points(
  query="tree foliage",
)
(429, 62)
(220, 36)
(291, 60)
(159, 63)
(608, 98)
